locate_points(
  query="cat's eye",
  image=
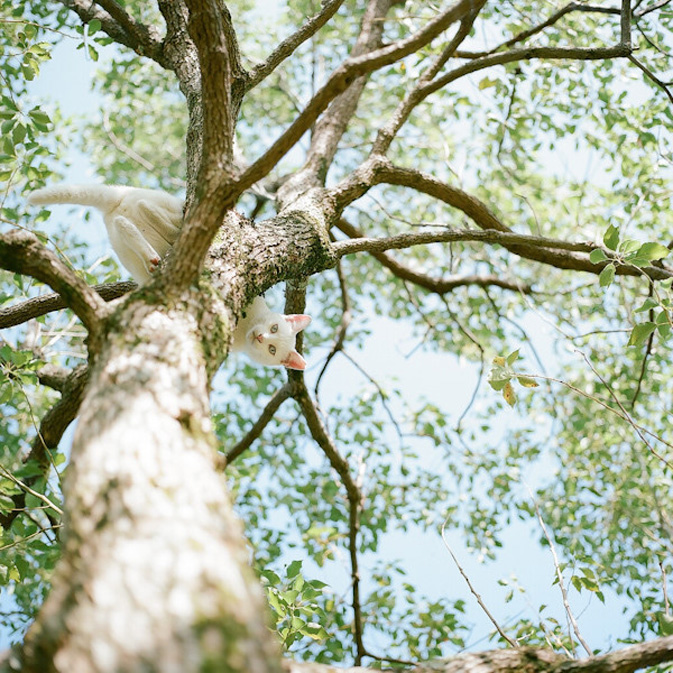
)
(272, 348)
(274, 329)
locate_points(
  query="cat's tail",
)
(103, 197)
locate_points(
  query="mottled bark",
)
(154, 574)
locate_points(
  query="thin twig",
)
(288, 46)
(40, 496)
(473, 591)
(256, 430)
(646, 354)
(340, 336)
(559, 576)
(652, 76)
(382, 395)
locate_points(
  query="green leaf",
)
(665, 624)
(527, 382)
(597, 255)
(652, 251)
(607, 275)
(487, 82)
(293, 569)
(498, 384)
(94, 26)
(628, 246)
(640, 333)
(513, 357)
(647, 305)
(611, 237)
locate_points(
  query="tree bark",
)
(154, 574)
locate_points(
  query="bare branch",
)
(333, 124)
(545, 250)
(559, 577)
(341, 79)
(121, 27)
(287, 47)
(561, 254)
(208, 27)
(38, 306)
(652, 8)
(22, 252)
(388, 132)
(625, 23)
(626, 660)
(474, 592)
(346, 317)
(650, 75)
(528, 54)
(256, 430)
(53, 376)
(326, 443)
(554, 18)
(434, 284)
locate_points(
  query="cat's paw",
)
(154, 263)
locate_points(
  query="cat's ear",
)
(297, 321)
(294, 360)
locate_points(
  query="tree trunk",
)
(155, 573)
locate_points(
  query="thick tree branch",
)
(547, 250)
(626, 660)
(53, 376)
(209, 24)
(333, 124)
(121, 27)
(560, 254)
(182, 56)
(287, 47)
(388, 132)
(342, 78)
(38, 306)
(22, 252)
(217, 197)
(439, 285)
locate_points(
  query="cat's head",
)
(271, 340)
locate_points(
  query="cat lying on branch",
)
(142, 224)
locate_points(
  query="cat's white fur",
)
(142, 224)
(268, 338)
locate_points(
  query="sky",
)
(67, 79)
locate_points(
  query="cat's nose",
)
(259, 338)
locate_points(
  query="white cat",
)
(142, 224)
(268, 338)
